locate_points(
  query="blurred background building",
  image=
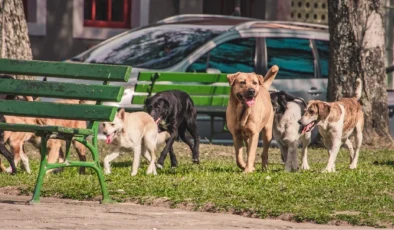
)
(60, 29)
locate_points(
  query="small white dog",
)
(137, 131)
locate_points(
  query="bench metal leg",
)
(93, 149)
(41, 172)
(44, 166)
(212, 119)
(213, 131)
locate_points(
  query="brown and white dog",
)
(249, 112)
(16, 140)
(337, 122)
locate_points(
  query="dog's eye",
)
(243, 82)
(112, 125)
(254, 83)
(103, 124)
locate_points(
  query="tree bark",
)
(357, 51)
(14, 38)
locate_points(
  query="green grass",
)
(364, 196)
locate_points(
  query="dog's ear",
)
(260, 78)
(122, 114)
(287, 96)
(231, 77)
(324, 110)
(274, 96)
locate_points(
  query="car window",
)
(323, 50)
(157, 47)
(229, 57)
(293, 56)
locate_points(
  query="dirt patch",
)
(63, 213)
(10, 190)
(350, 213)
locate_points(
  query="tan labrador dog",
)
(249, 112)
(137, 131)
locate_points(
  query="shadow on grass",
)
(388, 163)
(122, 164)
(12, 202)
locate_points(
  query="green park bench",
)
(92, 113)
(209, 92)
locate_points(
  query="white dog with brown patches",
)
(137, 131)
(337, 122)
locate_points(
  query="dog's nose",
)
(251, 91)
(105, 132)
(299, 122)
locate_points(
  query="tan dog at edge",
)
(249, 112)
(16, 140)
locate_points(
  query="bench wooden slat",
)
(197, 100)
(58, 110)
(44, 129)
(184, 77)
(190, 89)
(84, 71)
(61, 90)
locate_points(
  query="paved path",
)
(53, 213)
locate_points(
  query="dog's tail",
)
(162, 137)
(270, 76)
(359, 88)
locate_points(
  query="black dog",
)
(174, 111)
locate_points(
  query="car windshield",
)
(156, 47)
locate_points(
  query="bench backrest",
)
(91, 92)
(205, 89)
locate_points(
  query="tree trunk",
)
(357, 51)
(14, 39)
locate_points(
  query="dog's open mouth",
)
(249, 100)
(110, 138)
(309, 127)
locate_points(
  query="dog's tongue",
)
(109, 139)
(307, 127)
(158, 119)
(250, 102)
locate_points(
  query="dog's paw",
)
(290, 169)
(249, 169)
(305, 167)
(159, 166)
(107, 171)
(196, 161)
(328, 170)
(8, 170)
(352, 166)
